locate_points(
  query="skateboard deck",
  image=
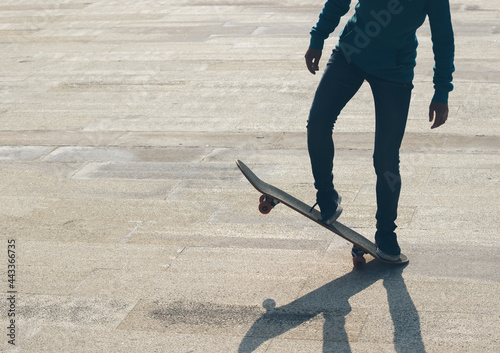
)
(271, 196)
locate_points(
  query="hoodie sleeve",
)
(443, 47)
(329, 19)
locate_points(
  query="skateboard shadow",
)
(332, 301)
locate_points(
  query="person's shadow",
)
(332, 301)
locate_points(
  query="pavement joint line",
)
(42, 158)
(78, 170)
(175, 190)
(413, 215)
(127, 237)
(214, 216)
(83, 281)
(387, 273)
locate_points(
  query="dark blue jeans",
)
(340, 81)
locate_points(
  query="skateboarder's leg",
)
(392, 101)
(338, 85)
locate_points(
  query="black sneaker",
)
(329, 205)
(387, 246)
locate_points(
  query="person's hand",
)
(312, 60)
(439, 113)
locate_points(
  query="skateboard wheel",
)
(265, 207)
(359, 262)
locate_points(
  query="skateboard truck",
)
(267, 203)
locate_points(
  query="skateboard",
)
(272, 196)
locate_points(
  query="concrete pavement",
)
(133, 230)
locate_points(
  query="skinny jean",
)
(340, 81)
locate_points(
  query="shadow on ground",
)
(332, 301)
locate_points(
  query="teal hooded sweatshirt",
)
(380, 38)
